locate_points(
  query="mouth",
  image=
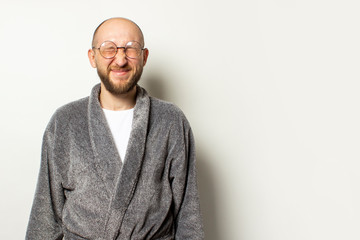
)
(119, 72)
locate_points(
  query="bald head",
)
(119, 27)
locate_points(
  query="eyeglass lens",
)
(109, 49)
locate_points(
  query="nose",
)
(120, 57)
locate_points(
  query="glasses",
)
(108, 49)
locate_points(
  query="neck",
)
(119, 102)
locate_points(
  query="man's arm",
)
(45, 220)
(188, 222)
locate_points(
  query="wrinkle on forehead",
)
(122, 25)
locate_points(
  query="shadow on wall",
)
(207, 194)
(155, 85)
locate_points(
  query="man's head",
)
(119, 74)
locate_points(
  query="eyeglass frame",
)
(117, 49)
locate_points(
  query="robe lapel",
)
(120, 179)
(131, 168)
(107, 159)
(135, 151)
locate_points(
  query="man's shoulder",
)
(167, 112)
(75, 107)
(71, 112)
(163, 107)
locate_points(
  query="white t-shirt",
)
(120, 123)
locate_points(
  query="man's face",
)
(120, 74)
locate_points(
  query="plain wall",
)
(270, 87)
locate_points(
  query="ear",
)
(146, 54)
(91, 56)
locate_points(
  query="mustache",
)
(120, 68)
(116, 67)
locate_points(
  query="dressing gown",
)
(85, 191)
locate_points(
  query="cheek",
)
(103, 65)
(136, 65)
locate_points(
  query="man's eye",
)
(112, 49)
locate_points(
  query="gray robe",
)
(85, 192)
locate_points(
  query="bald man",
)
(118, 164)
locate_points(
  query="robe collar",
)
(119, 178)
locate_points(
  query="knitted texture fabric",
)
(85, 192)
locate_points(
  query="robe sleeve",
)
(45, 220)
(188, 222)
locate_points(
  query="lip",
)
(120, 72)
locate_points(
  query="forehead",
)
(119, 31)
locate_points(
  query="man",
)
(118, 164)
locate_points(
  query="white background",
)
(270, 87)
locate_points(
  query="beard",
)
(118, 89)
